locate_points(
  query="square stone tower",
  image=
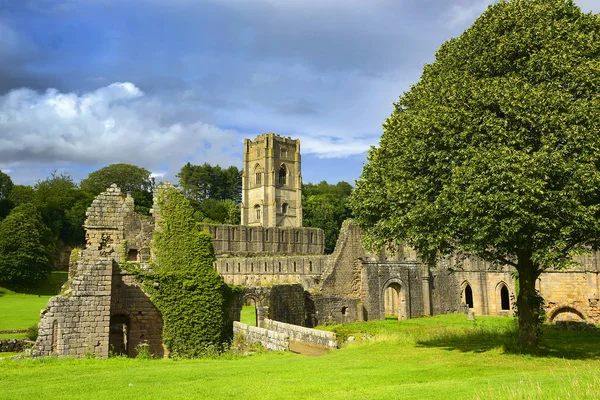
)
(272, 182)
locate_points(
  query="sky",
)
(159, 83)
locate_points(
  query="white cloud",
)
(116, 123)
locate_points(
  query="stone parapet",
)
(271, 340)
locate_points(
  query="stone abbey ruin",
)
(282, 269)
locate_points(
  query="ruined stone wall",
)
(445, 292)
(287, 304)
(342, 275)
(256, 271)
(244, 241)
(144, 321)
(335, 309)
(77, 322)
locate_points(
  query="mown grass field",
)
(20, 308)
(445, 357)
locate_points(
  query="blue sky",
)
(158, 83)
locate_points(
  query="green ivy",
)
(191, 296)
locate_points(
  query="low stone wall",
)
(272, 340)
(13, 345)
(11, 331)
(313, 337)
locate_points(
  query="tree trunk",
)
(527, 302)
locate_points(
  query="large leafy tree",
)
(325, 206)
(129, 178)
(495, 151)
(27, 247)
(62, 205)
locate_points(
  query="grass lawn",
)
(248, 315)
(443, 357)
(20, 308)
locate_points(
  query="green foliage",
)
(216, 211)
(495, 151)
(142, 351)
(192, 298)
(129, 178)
(22, 194)
(325, 206)
(201, 182)
(27, 248)
(6, 185)
(63, 206)
(32, 332)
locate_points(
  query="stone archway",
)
(566, 313)
(393, 298)
(249, 312)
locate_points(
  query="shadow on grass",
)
(556, 341)
(49, 287)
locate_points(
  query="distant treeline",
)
(36, 220)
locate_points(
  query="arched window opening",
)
(310, 266)
(284, 208)
(257, 212)
(504, 298)
(258, 175)
(282, 175)
(468, 296)
(294, 266)
(251, 267)
(226, 267)
(344, 311)
(279, 267)
(297, 237)
(312, 237)
(239, 267)
(265, 266)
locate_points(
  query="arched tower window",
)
(284, 208)
(258, 175)
(257, 212)
(282, 175)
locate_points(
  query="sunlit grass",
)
(443, 357)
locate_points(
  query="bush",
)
(32, 333)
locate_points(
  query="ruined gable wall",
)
(77, 322)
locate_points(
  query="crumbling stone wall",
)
(129, 300)
(77, 322)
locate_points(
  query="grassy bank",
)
(20, 307)
(443, 357)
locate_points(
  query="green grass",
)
(248, 315)
(20, 308)
(445, 357)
